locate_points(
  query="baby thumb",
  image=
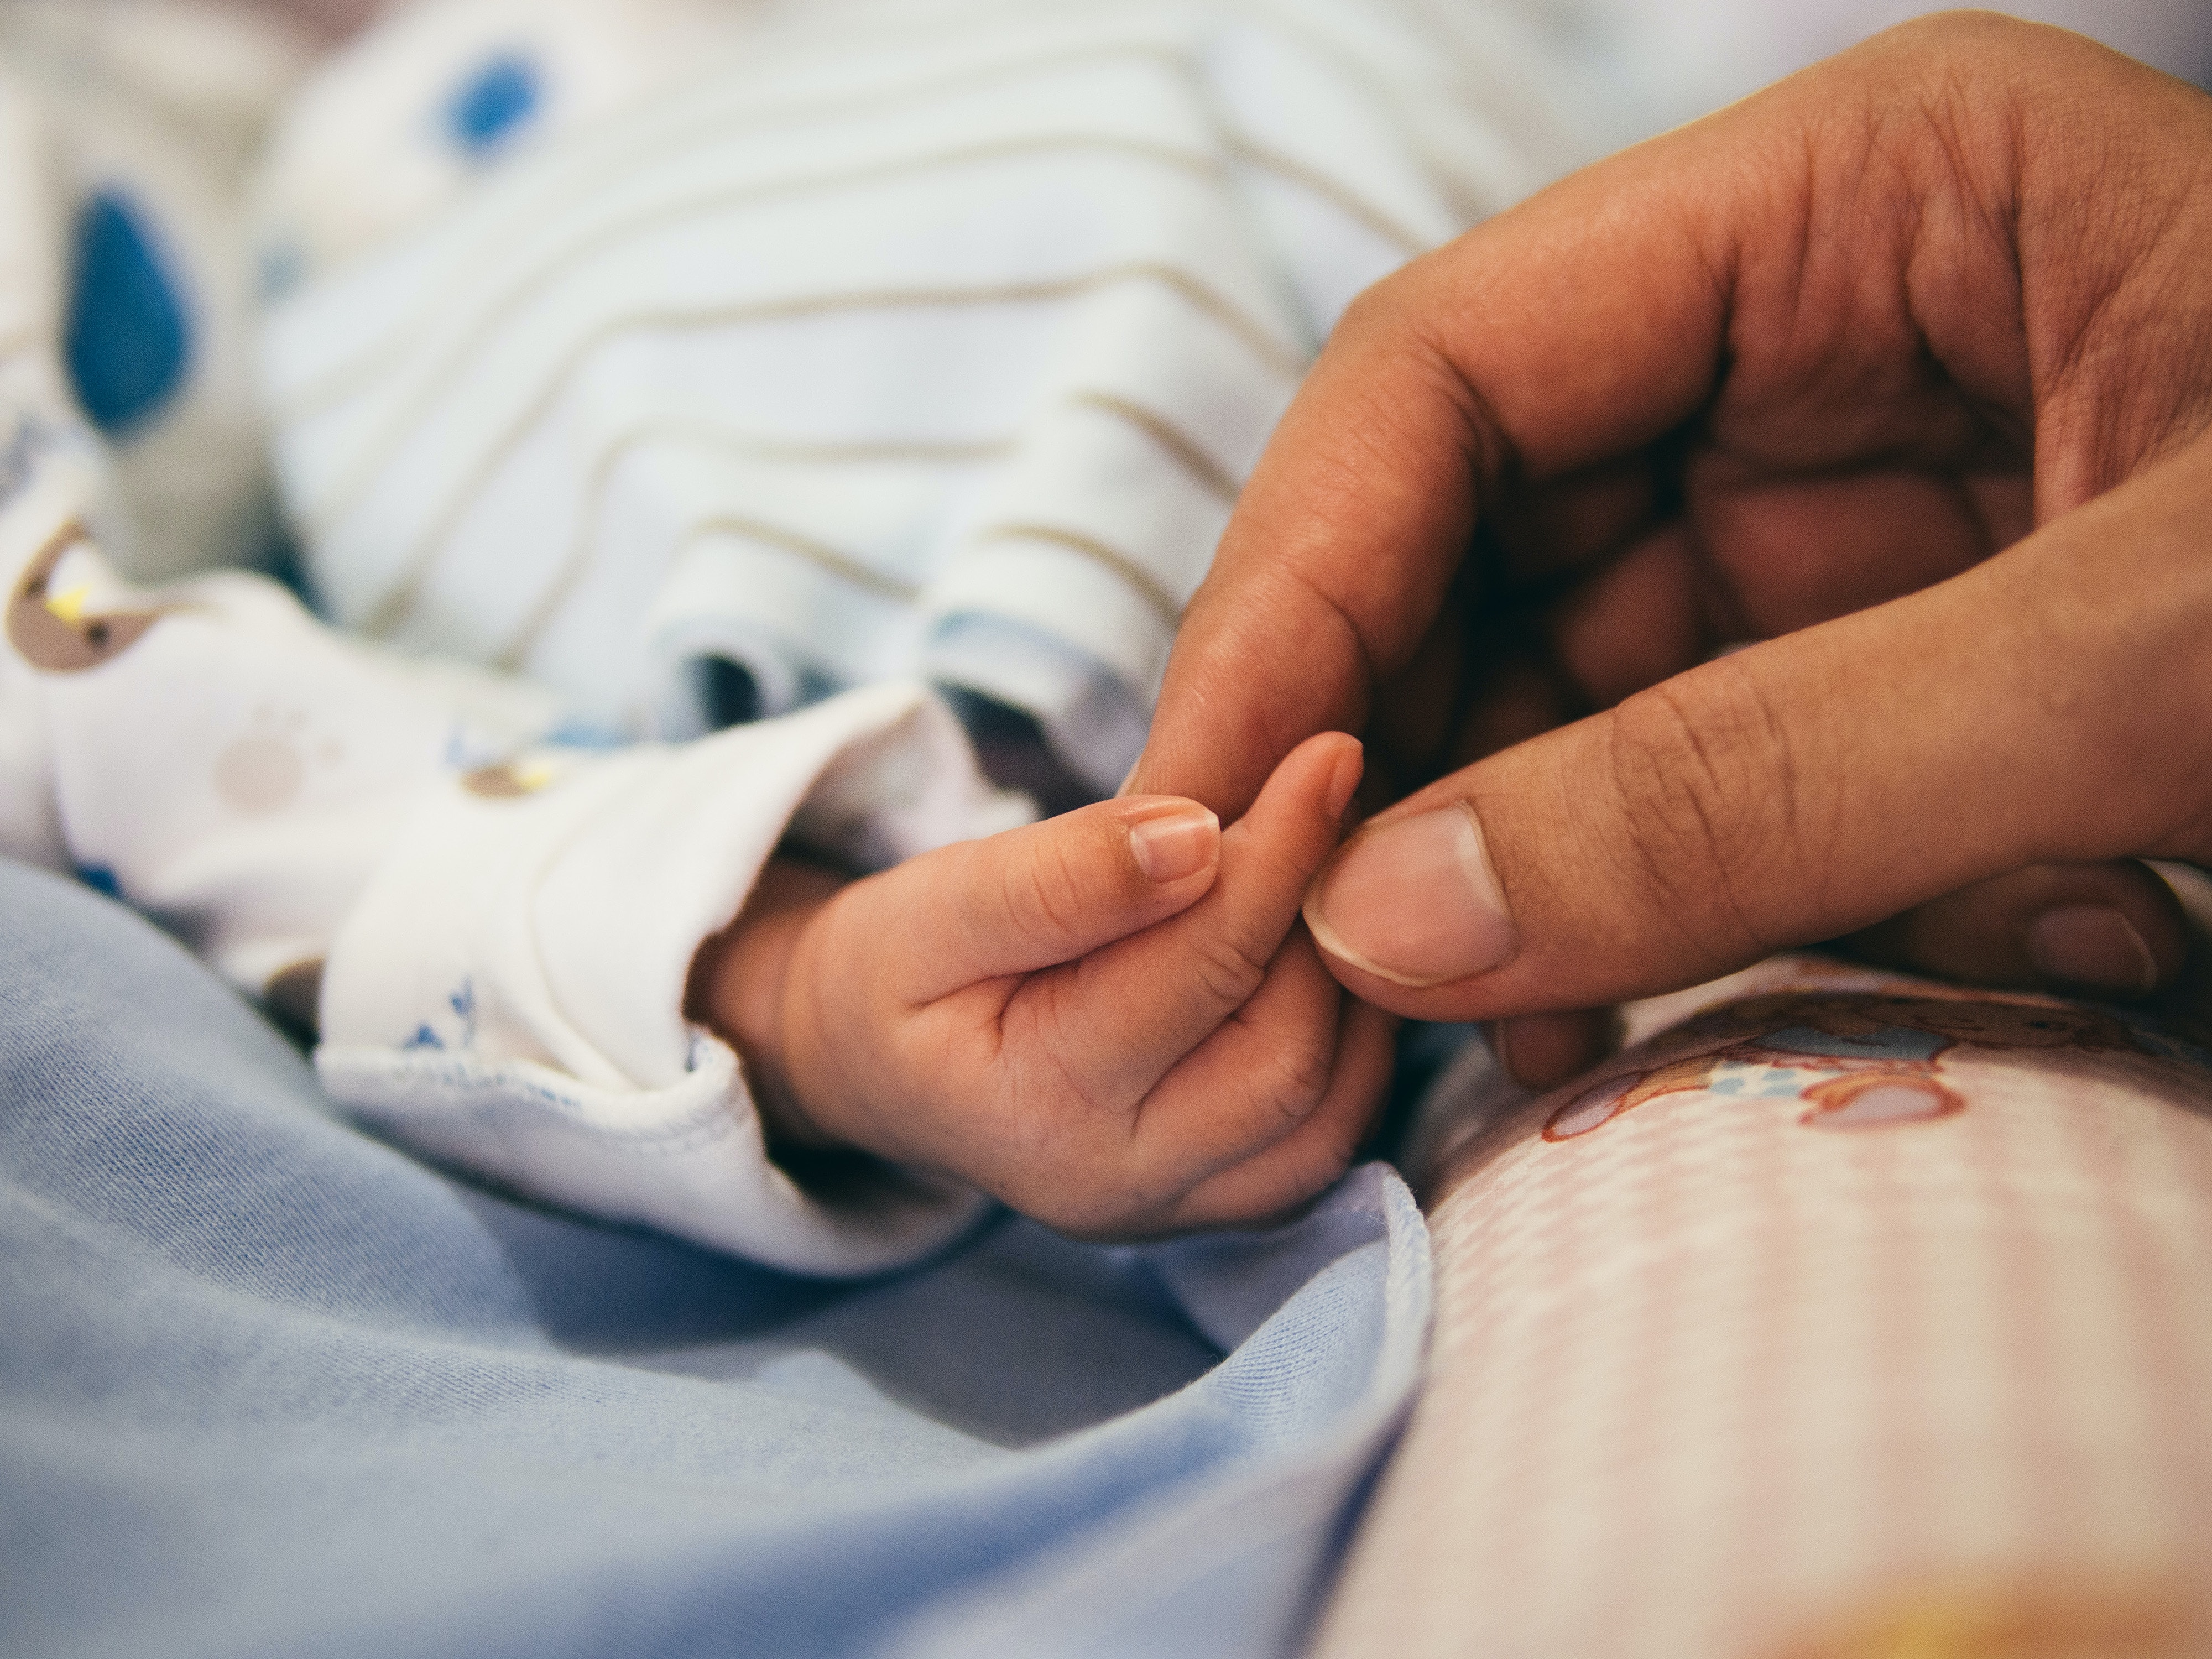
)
(1048, 893)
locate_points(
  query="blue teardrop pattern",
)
(129, 342)
(493, 104)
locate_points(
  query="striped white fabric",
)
(887, 337)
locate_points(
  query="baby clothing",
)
(1850, 1316)
(659, 353)
(492, 925)
(492, 930)
(843, 341)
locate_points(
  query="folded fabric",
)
(268, 1388)
(493, 933)
(506, 995)
(127, 132)
(885, 337)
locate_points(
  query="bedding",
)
(269, 1387)
(1846, 1316)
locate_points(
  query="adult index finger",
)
(1579, 326)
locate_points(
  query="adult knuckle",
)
(1709, 792)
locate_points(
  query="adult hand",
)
(1796, 374)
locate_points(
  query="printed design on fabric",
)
(33, 439)
(470, 749)
(1857, 1061)
(55, 632)
(129, 341)
(2082, 1614)
(463, 1004)
(509, 780)
(489, 769)
(264, 770)
(495, 104)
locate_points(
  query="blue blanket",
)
(268, 1387)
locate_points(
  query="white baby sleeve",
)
(214, 757)
(498, 952)
(507, 995)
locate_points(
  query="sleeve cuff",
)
(506, 997)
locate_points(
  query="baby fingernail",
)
(1345, 779)
(1175, 844)
(2092, 945)
(1414, 901)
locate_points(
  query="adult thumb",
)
(2052, 705)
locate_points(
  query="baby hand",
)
(1113, 1021)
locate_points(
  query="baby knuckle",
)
(1297, 1079)
(1228, 969)
(1291, 1186)
(1046, 896)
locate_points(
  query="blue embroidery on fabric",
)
(584, 734)
(493, 104)
(129, 339)
(19, 460)
(469, 751)
(462, 1002)
(1760, 1082)
(279, 268)
(101, 880)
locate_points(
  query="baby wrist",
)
(746, 987)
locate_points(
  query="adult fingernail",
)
(1175, 844)
(2092, 945)
(1414, 901)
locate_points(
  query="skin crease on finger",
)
(1115, 1044)
(1833, 378)
(2097, 740)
